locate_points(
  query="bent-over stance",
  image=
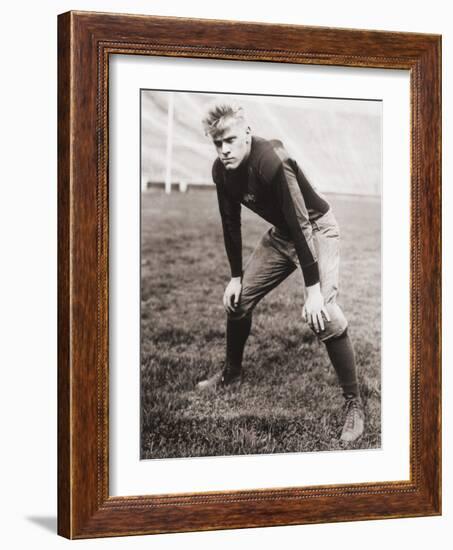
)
(260, 175)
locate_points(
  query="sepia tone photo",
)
(260, 274)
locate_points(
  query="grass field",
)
(290, 400)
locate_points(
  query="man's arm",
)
(230, 213)
(295, 213)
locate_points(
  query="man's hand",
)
(314, 309)
(232, 295)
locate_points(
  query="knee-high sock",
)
(236, 337)
(341, 354)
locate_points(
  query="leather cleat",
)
(354, 421)
(222, 379)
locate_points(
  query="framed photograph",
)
(249, 275)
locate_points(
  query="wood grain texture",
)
(85, 42)
(64, 367)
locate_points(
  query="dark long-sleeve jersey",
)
(271, 184)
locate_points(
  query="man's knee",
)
(337, 324)
(241, 311)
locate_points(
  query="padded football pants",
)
(275, 257)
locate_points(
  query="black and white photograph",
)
(260, 274)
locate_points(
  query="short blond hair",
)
(219, 114)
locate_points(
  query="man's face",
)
(233, 144)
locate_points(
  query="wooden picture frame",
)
(85, 42)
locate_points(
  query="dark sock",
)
(236, 337)
(341, 354)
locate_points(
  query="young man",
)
(259, 174)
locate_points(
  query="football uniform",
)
(304, 231)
